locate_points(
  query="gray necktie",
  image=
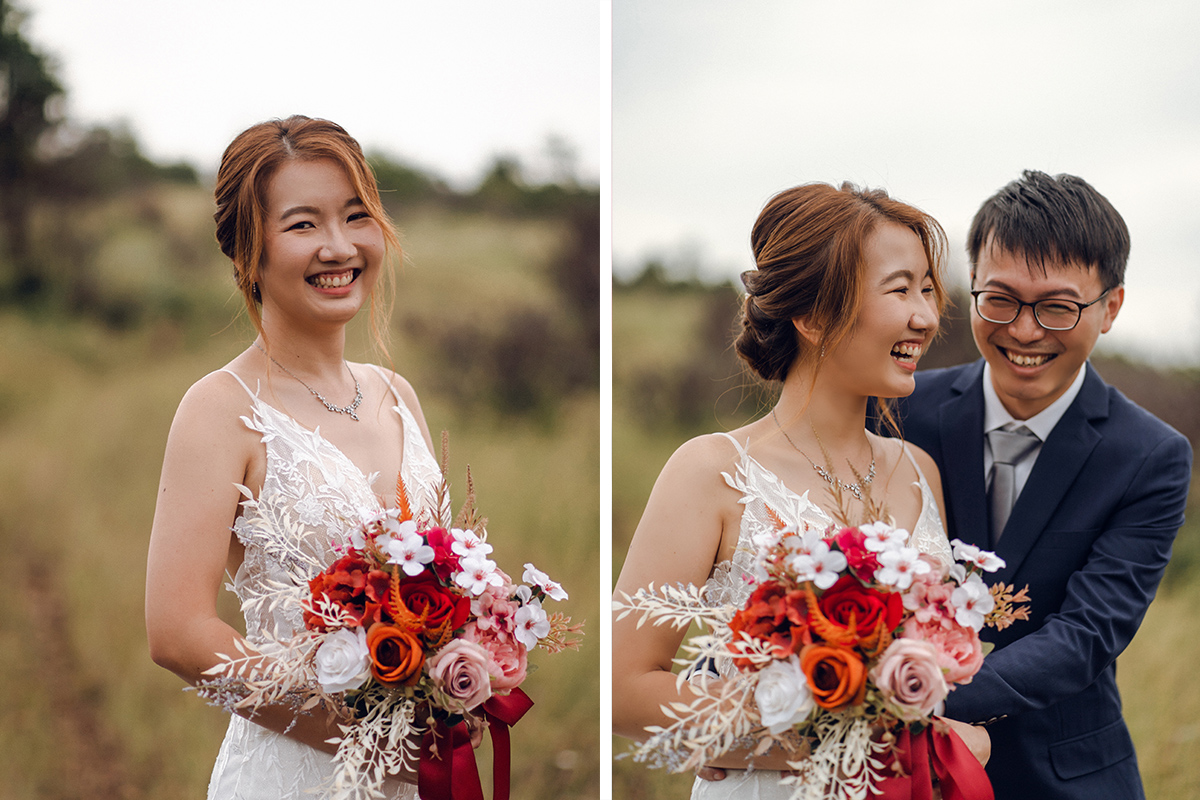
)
(1008, 448)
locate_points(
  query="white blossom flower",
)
(536, 577)
(820, 564)
(984, 559)
(899, 565)
(881, 536)
(972, 601)
(477, 573)
(410, 552)
(782, 695)
(467, 543)
(342, 660)
(531, 624)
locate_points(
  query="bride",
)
(845, 299)
(317, 442)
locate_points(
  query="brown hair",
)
(249, 163)
(808, 249)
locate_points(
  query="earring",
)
(822, 356)
(254, 293)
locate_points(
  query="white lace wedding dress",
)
(312, 497)
(761, 488)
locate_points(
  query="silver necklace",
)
(856, 488)
(347, 410)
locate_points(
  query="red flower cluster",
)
(776, 616)
(353, 583)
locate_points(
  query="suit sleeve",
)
(1104, 604)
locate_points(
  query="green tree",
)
(27, 89)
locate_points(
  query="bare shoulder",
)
(216, 398)
(704, 456)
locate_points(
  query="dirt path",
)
(91, 762)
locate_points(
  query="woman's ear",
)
(810, 333)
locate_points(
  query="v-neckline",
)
(920, 483)
(316, 433)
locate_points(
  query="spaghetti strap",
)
(905, 449)
(253, 395)
(729, 436)
(390, 385)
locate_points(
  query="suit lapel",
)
(1057, 466)
(961, 435)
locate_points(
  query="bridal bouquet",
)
(845, 650)
(412, 638)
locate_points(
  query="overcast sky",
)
(445, 85)
(717, 106)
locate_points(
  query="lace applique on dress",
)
(313, 497)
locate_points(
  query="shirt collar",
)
(995, 415)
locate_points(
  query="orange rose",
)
(836, 675)
(396, 655)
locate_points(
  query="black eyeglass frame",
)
(1033, 306)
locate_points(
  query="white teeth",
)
(906, 350)
(333, 280)
(1026, 361)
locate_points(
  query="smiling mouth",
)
(906, 352)
(1035, 360)
(334, 280)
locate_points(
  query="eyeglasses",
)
(1053, 315)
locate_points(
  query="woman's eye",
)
(301, 225)
(358, 215)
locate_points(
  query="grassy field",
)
(660, 332)
(84, 413)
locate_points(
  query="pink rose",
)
(508, 656)
(959, 651)
(460, 671)
(910, 677)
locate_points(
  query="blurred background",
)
(484, 123)
(941, 103)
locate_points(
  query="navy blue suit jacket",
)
(1090, 534)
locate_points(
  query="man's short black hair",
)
(1059, 219)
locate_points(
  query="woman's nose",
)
(337, 245)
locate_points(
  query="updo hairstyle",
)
(808, 247)
(249, 163)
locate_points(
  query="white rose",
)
(782, 694)
(342, 660)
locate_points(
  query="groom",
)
(1079, 490)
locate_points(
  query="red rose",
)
(776, 616)
(445, 560)
(849, 601)
(862, 562)
(443, 612)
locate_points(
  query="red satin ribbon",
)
(452, 774)
(959, 773)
